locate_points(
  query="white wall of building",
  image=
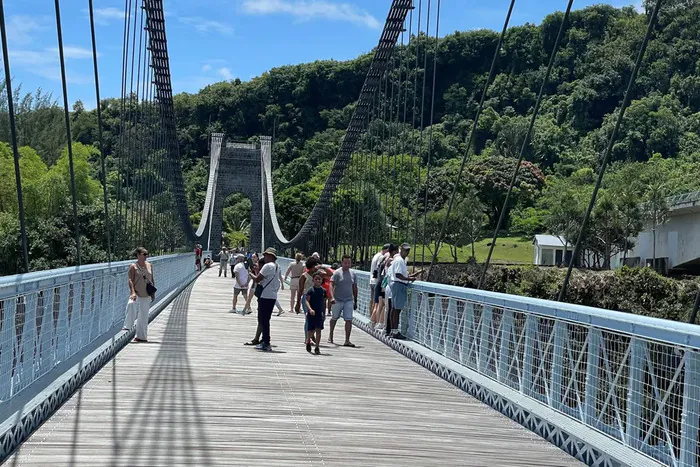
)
(678, 240)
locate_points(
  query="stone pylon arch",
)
(238, 171)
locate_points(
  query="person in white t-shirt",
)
(374, 269)
(269, 277)
(398, 285)
(240, 280)
(232, 261)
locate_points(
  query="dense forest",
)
(657, 152)
(308, 106)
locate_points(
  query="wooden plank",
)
(196, 396)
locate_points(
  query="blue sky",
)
(215, 40)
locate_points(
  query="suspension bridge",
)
(484, 378)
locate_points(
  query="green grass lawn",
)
(508, 250)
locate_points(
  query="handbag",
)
(259, 288)
(150, 288)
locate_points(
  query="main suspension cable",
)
(625, 103)
(100, 140)
(475, 124)
(66, 114)
(13, 136)
(526, 141)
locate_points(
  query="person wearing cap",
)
(399, 278)
(223, 261)
(374, 269)
(343, 298)
(240, 281)
(269, 279)
(316, 255)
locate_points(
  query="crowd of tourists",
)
(317, 290)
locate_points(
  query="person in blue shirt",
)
(316, 301)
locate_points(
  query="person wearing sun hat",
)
(269, 279)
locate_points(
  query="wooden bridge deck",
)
(196, 396)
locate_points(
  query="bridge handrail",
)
(634, 378)
(49, 317)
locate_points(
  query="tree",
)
(491, 177)
(470, 213)
(656, 211)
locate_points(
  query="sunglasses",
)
(144, 254)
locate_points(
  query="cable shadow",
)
(165, 425)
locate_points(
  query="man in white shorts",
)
(240, 281)
(343, 298)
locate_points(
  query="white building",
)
(677, 241)
(549, 250)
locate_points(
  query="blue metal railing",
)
(51, 316)
(634, 378)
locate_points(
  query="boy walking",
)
(316, 301)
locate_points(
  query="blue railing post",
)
(557, 375)
(46, 349)
(528, 354)
(28, 340)
(468, 335)
(485, 339)
(413, 297)
(635, 395)
(7, 341)
(405, 318)
(450, 333)
(504, 354)
(691, 410)
(435, 321)
(595, 340)
(61, 339)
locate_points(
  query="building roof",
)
(550, 240)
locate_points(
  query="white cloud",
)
(74, 52)
(46, 65)
(225, 73)
(21, 29)
(106, 15)
(204, 25)
(206, 68)
(312, 9)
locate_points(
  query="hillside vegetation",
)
(656, 154)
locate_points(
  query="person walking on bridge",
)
(240, 281)
(343, 298)
(269, 280)
(223, 261)
(142, 292)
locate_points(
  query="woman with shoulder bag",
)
(143, 292)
